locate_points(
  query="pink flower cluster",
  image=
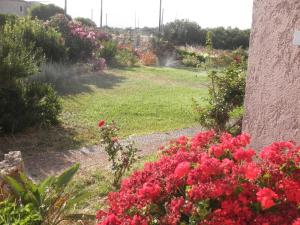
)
(87, 33)
(211, 180)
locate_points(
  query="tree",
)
(182, 32)
(86, 21)
(44, 12)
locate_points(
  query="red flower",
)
(101, 123)
(297, 221)
(252, 172)
(266, 197)
(182, 169)
(110, 220)
(150, 191)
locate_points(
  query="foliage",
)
(190, 61)
(23, 103)
(108, 51)
(226, 92)
(182, 32)
(125, 56)
(7, 18)
(48, 197)
(26, 104)
(78, 40)
(211, 180)
(44, 38)
(44, 12)
(14, 214)
(86, 22)
(121, 156)
(230, 38)
(147, 58)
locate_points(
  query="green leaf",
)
(17, 188)
(66, 176)
(42, 187)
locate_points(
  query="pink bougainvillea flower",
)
(266, 197)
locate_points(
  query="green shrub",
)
(23, 103)
(126, 57)
(108, 51)
(43, 37)
(4, 18)
(44, 12)
(223, 110)
(86, 22)
(27, 104)
(14, 214)
(190, 61)
(50, 198)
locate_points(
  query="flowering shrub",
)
(147, 58)
(120, 155)
(211, 180)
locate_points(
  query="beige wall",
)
(273, 84)
(15, 7)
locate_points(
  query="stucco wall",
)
(16, 7)
(273, 83)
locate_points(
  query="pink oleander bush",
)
(211, 180)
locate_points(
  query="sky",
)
(121, 13)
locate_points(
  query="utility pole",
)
(159, 25)
(65, 7)
(135, 21)
(101, 13)
(162, 20)
(106, 20)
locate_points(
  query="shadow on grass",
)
(44, 150)
(78, 84)
(36, 140)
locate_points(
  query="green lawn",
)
(141, 100)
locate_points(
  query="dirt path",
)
(39, 165)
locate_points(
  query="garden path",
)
(41, 164)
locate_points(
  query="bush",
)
(4, 18)
(125, 57)
(27, 104)
(108, 51)
(86, 22)
(23, 104)
(182, 32)
(121, 156)
(80, 48)
(50, 198)
(14, 214)
(147, 58)
(44, 39)
(45, 12)
(211, 180)
(226, 93)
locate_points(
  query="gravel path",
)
(40, 165)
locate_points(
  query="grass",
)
(98, 183)
(141, 100)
